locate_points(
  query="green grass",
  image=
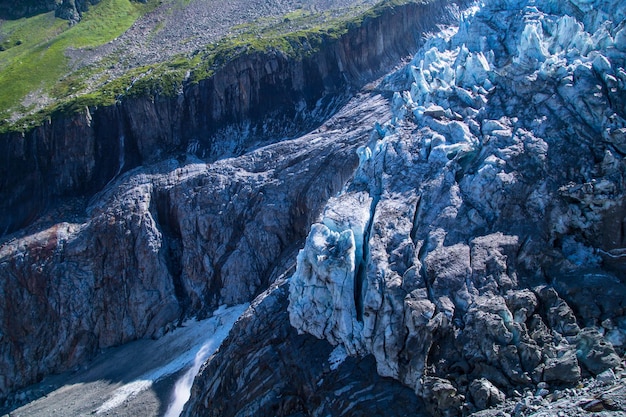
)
(41, 65)
(38, 63)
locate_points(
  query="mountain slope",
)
(460, 222)
(130, 217)
(45, 61)
(215, 103)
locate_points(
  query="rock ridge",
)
(164, 242)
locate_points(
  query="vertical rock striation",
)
(252, 99)
(266, 368)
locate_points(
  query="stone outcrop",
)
(73, 10)
(70, 10)
(262, 365)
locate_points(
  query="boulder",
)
(595, 352)
(484, 394)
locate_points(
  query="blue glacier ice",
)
(504, 155)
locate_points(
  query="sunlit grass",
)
(34, 58)
(297, 34)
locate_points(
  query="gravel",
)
(175, 28)
(602, 396)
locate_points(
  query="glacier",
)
(470, 252)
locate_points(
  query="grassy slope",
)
(34, 61)
(44, 66)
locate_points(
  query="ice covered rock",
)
(474, 71)
(497, 196)
(322, 299)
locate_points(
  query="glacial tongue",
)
(478, 249)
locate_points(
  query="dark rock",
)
(484, 394)
(441, 397)
(593, 406)
(17, 9)
(261, 365)
(67, 10)
(73, 10)
(594, 352)
(597, 295)
(558, 313)
(562, 369)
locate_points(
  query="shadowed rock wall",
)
(252, 99)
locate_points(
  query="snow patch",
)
(222, 321)
(123, 393)
(182, 390)
(337, 357)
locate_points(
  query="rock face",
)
(218, 117)
(478, 249)
(262, 364)
(164, 242)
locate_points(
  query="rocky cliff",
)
(180, 233)
(263, 363)
(161, 243)
(253, 99)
